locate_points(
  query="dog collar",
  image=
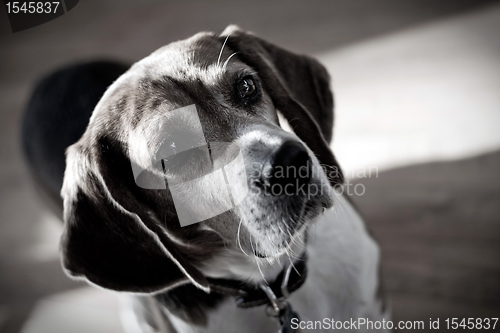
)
(273, 294)
(288, 281)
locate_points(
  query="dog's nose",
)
(290, 165)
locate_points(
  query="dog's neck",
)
(230, 272)
(233, 264)
(342, 281)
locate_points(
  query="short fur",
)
(125, 237)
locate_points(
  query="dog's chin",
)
(259, 254)
(292, 247)
(315, 207)
(293, 242)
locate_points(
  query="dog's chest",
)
(341, 284)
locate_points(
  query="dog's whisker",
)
(269, 238)
(312, 232)
(257, 261)
(292, 254)
(294, 268)
(288, 247)
(238, 239)
(341, 207)
(297, 239)
(260, 270)
(292, 242)
(280, 263)
(222, 50)
(281, 230)
(227, 60)
(251, 245)
(287, 252)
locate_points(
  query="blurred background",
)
(417, 86)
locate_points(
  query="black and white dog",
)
(204, 187)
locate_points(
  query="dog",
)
(201, 184)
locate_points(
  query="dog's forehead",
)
(197, 71)
(192, 58)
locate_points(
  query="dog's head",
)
(195, 133)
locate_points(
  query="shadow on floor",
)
(439, 228)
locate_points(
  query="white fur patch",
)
(285, 125)
(341, 283)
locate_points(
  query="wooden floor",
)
(439, 228)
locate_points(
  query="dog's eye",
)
(247, 88)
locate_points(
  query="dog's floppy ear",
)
(115, 234)
(299, 87)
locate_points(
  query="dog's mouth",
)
(259, 254)
(287, 195)
(284, 232)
